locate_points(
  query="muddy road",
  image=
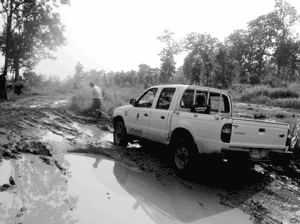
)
(59, 167)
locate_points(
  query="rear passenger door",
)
(208, 127)
(205, 128)
(161, 115)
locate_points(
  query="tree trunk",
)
(17, 69)
(3, 94)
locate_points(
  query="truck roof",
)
(186, 86)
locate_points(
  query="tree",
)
(224, 68)
(31, 30)
(286, 56)
(196, 71)
(143, 70)
(203, 46)
(187, 66)
(261, 41)
(238, 49)
(33, 79)
(78, 76)
(168, 65)
(287, 17)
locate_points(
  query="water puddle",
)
(95, 189)
(94, 131)
(50, 136)
(59, 103)
(5, 171)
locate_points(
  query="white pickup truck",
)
(195, 120)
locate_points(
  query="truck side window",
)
(200, 105)
(225, 106)
(187, 99)
(165, 98)
(215, 103)
(146, 100)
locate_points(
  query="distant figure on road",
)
(97, 98)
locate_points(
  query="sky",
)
(117, 35)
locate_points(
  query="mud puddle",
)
(50, 136)
(92, 189)
(94, 131)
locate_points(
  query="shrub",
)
(252, 94)
(112, 97)
(281, 97)
(287, 103)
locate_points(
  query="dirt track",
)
(43, 125)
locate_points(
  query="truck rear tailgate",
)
(255, 134)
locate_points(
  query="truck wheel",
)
(184, 152)
(120, 134)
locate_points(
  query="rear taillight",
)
(226, 133)
(288, 139)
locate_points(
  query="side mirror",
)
(132, 102)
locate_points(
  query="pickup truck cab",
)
(195, 120)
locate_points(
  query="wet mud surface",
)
(49, 156)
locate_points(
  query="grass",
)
(116, 96)
(278, 97)
(112, 97)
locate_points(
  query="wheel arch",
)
(182, 131)
(117, 119)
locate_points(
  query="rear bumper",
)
(266, 155)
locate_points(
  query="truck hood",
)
(125, 107)
(120, 109)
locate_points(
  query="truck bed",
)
(256, 134)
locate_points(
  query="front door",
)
(139, 115)
(161, 115)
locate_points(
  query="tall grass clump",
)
(80, 102)
(281, 97)
(287, 103)
(113, 97)
(253, 93)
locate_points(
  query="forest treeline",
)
(267, 52)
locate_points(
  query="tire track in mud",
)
(37, 131)
(278, 201)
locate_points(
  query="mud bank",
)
(42, 129)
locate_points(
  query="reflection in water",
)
(41, 194)
(97, 161)
(5, 172)
(98, 190)
(169, 201)
(94, 131)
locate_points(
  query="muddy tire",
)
(184, 152)
(120, 134)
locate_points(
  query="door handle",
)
(162, 117)
(146, 115)
(218, 117)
